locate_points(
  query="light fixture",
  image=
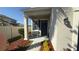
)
(67, 23)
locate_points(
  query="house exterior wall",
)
(7, 21)
(53, 28)
(64, 36)
(61, 36)
(75, 28)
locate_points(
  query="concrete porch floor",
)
(35, 46)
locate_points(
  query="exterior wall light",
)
(67, 23)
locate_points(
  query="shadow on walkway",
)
(34, 46)
(21, 49)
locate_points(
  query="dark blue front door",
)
(44, 24)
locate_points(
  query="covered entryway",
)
(40, 18)
(41, 26)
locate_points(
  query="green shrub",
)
(14, 39)
(45, 46)
(21, 32)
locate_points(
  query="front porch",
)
(40, 22)
(39, 26)
(36, 45)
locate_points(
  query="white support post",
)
(25, 29)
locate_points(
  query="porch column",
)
(25, 28)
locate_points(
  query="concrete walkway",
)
(35, 46)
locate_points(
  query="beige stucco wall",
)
(62, 35)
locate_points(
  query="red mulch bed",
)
(3, 42)
(19, 43)
(51, 48)
(6, 46)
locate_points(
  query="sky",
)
(14, 12)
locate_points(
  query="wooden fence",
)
(10, 31)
